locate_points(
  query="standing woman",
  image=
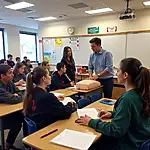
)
(69, 63)
(19, 76)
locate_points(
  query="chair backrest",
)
(95, 97)
(31, 125)
(145, 145)
(83, 102)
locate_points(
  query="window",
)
(28, 45)
(2, 48)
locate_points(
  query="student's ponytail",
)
(32, 78)
(28, 93)
(140, 77)
(142, 83)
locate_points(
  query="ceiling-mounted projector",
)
(128, 14)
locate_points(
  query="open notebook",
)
(74, 139)
(91, 112)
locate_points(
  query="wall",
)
(59, 28)
(12, 41)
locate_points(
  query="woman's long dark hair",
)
(16, 69)
(65, 54)
(32, 77)
(140, 77)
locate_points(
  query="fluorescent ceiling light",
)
(46, 18)
(147, 3)
(98, 11)
(19, 5)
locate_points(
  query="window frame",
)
(4, 53)
(35, 34)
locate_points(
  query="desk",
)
(21, 88)
(66, 92)
(6, 109)
(82, 76)
(34, 140)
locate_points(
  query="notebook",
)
(91, 112)
(74, 139)
(66, 100)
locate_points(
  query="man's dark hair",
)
(4, 69)
(97, 41)
(60, 65)
(2, 61)
(25, 57)
(9, 55)
(17, 58)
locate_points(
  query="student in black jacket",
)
(40, 106)
(10, 94)
(10, 61)
(60, 80)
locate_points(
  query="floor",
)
(18, 142)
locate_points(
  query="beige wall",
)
(12, 41)
(60, 28)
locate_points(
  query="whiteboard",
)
(138, 46)
(116, 44)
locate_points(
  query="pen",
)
(48, 133)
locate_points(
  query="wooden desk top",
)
(21, 88)
(66, 92)
(45, 144)
(6, 109)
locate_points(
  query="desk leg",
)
(2, 135)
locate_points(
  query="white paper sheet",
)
(91, 112)
(66, 100)
(74, 139)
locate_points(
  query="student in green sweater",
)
(130, 125)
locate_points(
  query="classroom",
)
(74, 74)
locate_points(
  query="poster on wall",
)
(58, 42)
(74, 43)
(112, 29)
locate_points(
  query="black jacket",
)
(7, 91)
(11, 63)
(46, 108)
(71, 69)
(59, 82)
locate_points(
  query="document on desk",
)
(74, 139)
(66, 100)
(91, 112)
(58, 94)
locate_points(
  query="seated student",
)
(40, 106)
(46, 65)
(19, 76)
(3, 61)
(27, 68)
(10, 94)
(18, 60)
(59, 79)
(25, 61)
(130, 125)
(10, 62)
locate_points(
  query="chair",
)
(83, 102)
(31, 127)
(95, 97)
(145, 145)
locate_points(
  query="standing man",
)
(101, 63)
